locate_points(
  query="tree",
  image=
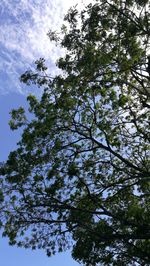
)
(80, 175)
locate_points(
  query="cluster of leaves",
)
(81, 170)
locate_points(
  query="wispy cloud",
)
(23, 36)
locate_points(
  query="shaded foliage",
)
(81, 170)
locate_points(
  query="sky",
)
(24, 25)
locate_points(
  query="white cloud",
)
(23, 36)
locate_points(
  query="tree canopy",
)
(80, 177)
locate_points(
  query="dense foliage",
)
(81, 172)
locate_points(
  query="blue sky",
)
(23, 39)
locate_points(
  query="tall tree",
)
(80, 176)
